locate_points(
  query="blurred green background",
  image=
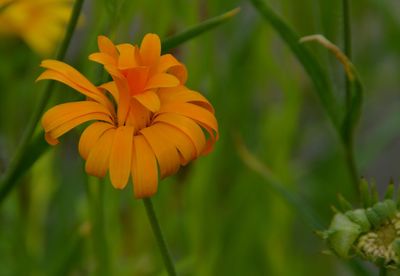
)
(219, 217)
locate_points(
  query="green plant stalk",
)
(176, 40)
(6, 184)
(349, 141)
(169, 265)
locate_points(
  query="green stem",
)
(6, 183)
(159, 237)
(348, 145)
(382, 271)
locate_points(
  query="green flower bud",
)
(373, 217)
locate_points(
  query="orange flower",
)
(40, 23)
(146, 122)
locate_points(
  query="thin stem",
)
(159, 237)
(382, 271)
(6, 183)
(348, 145)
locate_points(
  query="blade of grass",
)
(317, 74)
(197, 30)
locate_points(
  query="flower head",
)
(372, 233)
(40, 23)
(145, 123)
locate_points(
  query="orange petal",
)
(150, 49)
(63, 113)
(144, 168)
(138, 116)
(99, 157)
(169, 64)
(67, 126)
(162, 80)
(187, 126)
(127, 56)
(66, 74)
(137, 78)
(90, 136)
(121, 156)
(197, 113)
(102, 58)
(167, 156)
(182, 94)
(180, 140)
(112, 88)
(149, 99)
(107, 46)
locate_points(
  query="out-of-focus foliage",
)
(218, 216)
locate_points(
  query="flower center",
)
(378, 244)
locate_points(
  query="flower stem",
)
(348, 145)
(6, 183)
(159, 237)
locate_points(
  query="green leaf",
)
(312, 67)
(197, 30)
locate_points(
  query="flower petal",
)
(67, 126)
(121, 156)
(144, 168)
(99, 157)
(127, 56)
(197, 113)
(103, 59)
(162, 80)
(169, 64)
(150, 49)
(63, 113)
(181, 141)
(149, 99)
(90, 136)
(183, 94)
(107, 46)
(112, 88)
(66, 74)
(187, 126)
(167, 156)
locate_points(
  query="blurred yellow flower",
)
(146, 122)
(40, 23)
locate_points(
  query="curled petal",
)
(180, 140)
(150, 49)
(165, 152)
(121, 156)
(90, 136)
(162, 80)
(149, 99)
(169, 64)
(144, 168)
(99, 157)
(66, 74)
(112, 88)
(183, 95)
(61, 114)
(197, 113)
(61, 129)
(187, 126)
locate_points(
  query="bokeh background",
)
(219, 216)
